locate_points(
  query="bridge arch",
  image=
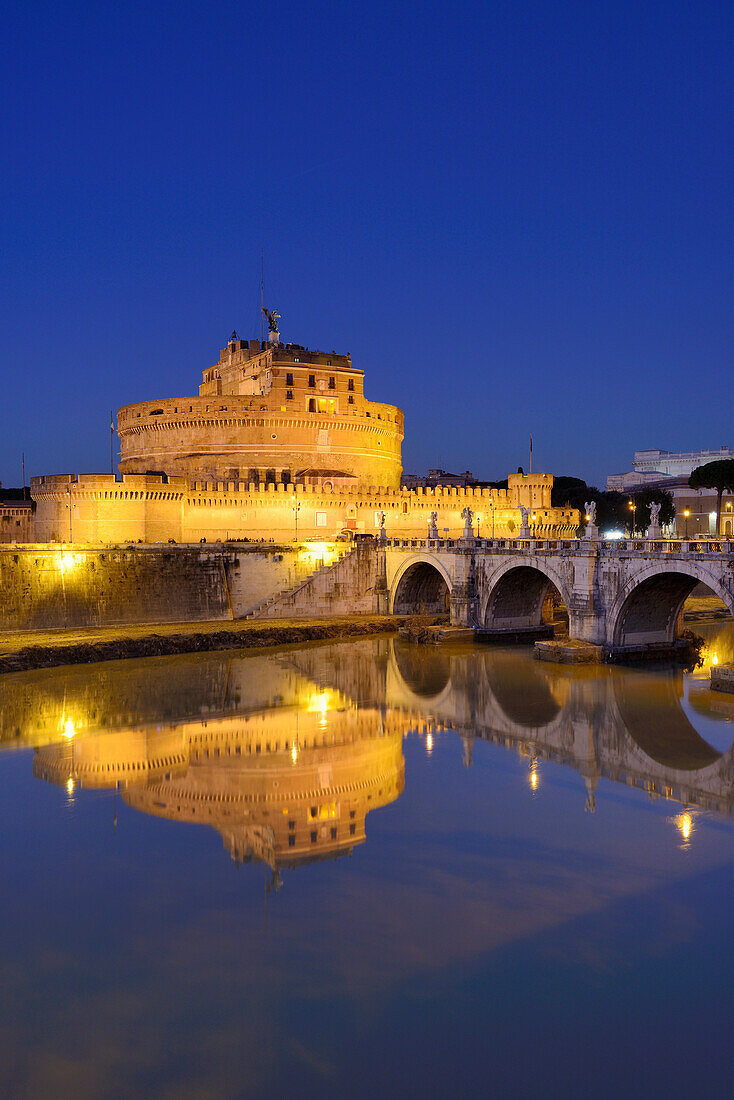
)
(517, 592)
(422, 674)
(648, 606)
(421, 585)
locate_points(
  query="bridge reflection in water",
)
(286, 755)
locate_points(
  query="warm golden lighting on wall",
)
(69, 729)
(67, 563)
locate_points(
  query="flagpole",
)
(530, 469)
(112, 444)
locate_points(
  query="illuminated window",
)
(296, 359)
(321, 519)
(323, 405)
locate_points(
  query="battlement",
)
(157, 507)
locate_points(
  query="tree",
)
(642, 501)
(568, 491)
(715, 475)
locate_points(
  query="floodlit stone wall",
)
(154, 508)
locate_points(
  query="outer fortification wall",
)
(152, 508)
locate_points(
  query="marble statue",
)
(433, 525)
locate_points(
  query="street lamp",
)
(296, 510)
(633, 509)
(68, 492)
(686, 513)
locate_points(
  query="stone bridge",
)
(618, 594)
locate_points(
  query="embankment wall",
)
(345, 588)
(73, 587)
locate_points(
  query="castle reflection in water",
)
(285, 755)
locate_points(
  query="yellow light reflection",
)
(534, 777)
(69, 729)
(321, 701)
(294, 752)
(684, 822)
(66, 563)
(70, 786)
(429, 742)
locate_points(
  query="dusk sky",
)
(517, 217)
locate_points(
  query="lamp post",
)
(491, 505)
(296, 510)
(69, 495)
(633, 509)
(686, 513)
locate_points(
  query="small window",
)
(314, 834)
(289, 379)
(289, 395)
(332, 382)
(350, 385)
(321, 519)
(291, 841)
(296, 359)
(352, 829)
(312, 379)
(328, 362)
(312, 404)
(351, 399)
(333, 833)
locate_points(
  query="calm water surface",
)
(367, 868)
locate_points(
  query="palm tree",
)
(715, 475)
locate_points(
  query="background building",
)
(670, 471)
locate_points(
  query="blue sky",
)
(516, 216)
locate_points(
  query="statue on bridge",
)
(433, 525)
(467, 515)
(383, 533)
(655, 514)
(590, 509)
(525, 521)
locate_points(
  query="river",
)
(367, 868)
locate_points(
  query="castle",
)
(281, 444)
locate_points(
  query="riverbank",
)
(51, 648)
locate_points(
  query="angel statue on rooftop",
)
(273, 317)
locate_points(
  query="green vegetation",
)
(614, 511)
(715, 475)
